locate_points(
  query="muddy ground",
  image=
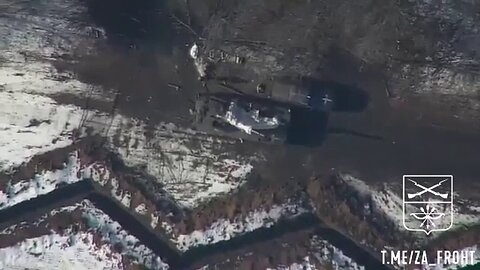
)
(365, 44)
(410, 133)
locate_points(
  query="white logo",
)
(427, 203)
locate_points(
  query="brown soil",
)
(57, 223)
(50, 161)
(342, 207)
(288, 249)
(456, 240)
(143, 91)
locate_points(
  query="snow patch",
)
(199, 62)
(224, 229)
(80, 250)
(35, 36)
(56, 252)
(31, 125)
(124, 197)
(154, 221)
(189, 174)
(326, 252)
(141, 209)
(167, 227)
(98, 172)
(41, 184)
(194, 51)
(47, 181)
(113, 233)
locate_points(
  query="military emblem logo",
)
(427, 203)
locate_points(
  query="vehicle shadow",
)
(347, 98)
(307, 127)
(310, 128)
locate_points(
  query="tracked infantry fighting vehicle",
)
(239, 103)
(241, 119)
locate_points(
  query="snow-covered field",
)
(32, 34)
(192, 167)
(79, 249)
(31, 122)
(43, 183)
(55, 252)
(31, 125)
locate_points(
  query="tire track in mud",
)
(73, 193)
